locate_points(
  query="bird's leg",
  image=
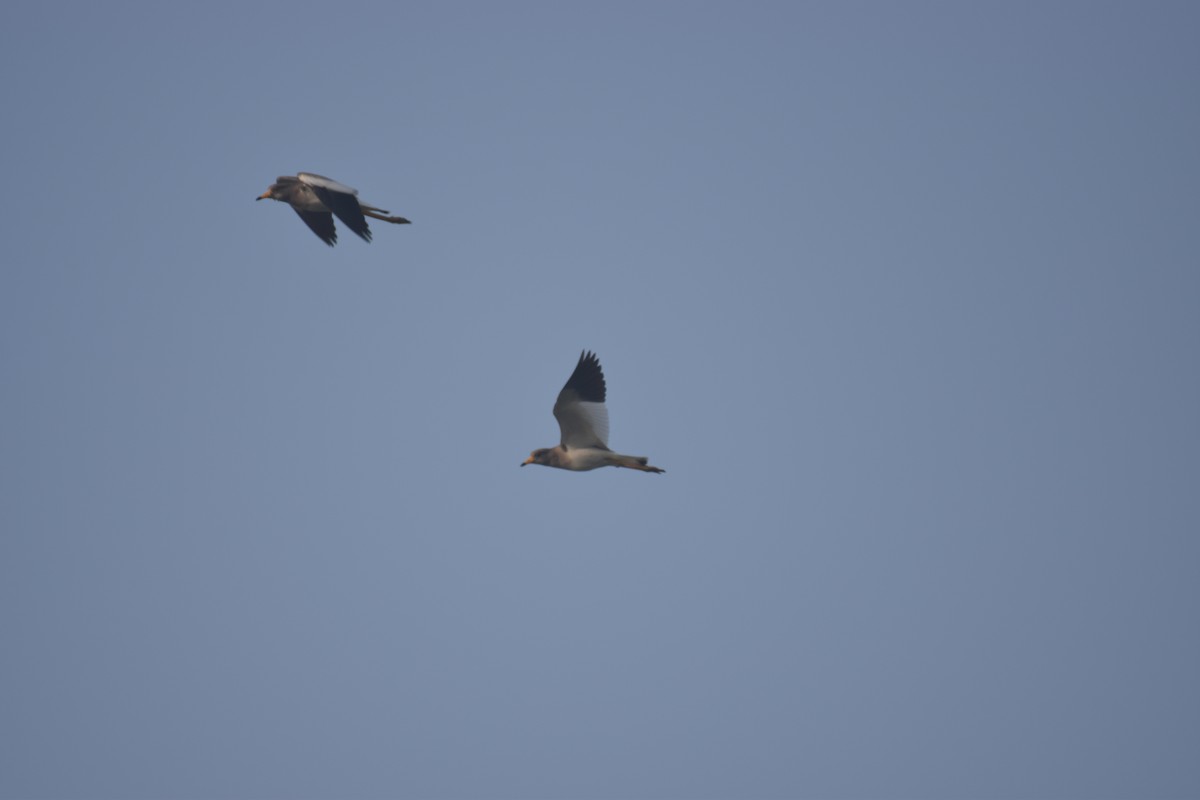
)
(394, 220)
(634, 462)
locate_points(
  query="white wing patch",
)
(597, 416)
(583, 425)
(325, 183)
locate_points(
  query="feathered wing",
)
(312, 179)
(321, 223)
(580, 410)
(341, 200)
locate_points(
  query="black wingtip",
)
(587, 380)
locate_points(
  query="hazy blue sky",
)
(905, 297)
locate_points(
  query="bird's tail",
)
(634, 462)
(379, 213)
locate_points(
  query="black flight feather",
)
(587, 381)
(346, 207)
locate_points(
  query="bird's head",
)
(538, 457)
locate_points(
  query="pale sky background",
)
(905, 297)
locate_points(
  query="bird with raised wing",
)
(317, 199)
(583, 420)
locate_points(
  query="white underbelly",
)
(585, 459)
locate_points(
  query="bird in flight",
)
(317, 199)
(583, 420)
